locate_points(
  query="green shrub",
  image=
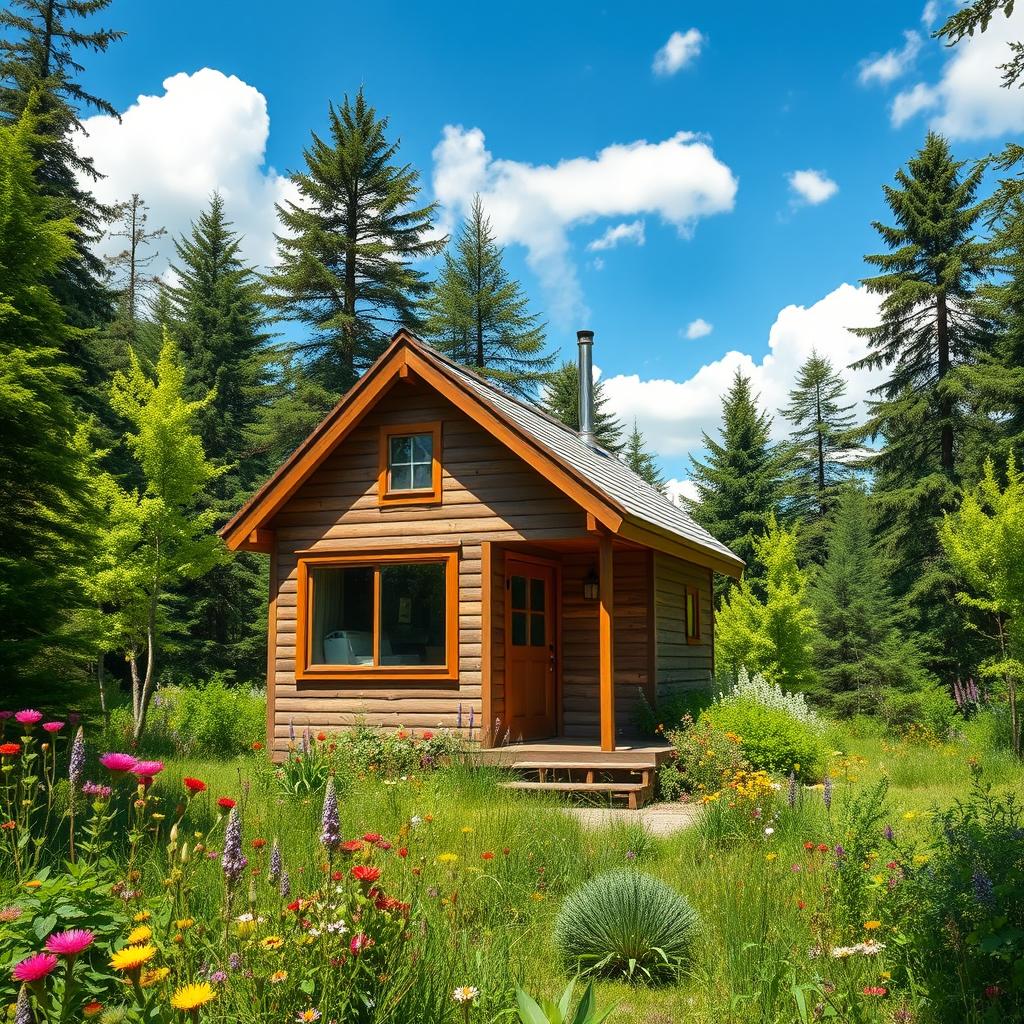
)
(672, 709)
(705, 756)
(770, 738)
(931, 708)
(626, 924)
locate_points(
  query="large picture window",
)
(384, 615)
(410, 464)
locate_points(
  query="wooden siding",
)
(489, 494)
(681, 665)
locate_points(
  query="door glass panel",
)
(412, 614)
(538, 630)
(341, 626)
(518, 591)
(519, 629)
(537, 590)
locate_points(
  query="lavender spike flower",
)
(330, 831)
(23, 1012)
(285, 888)
(232, 860)
(889, 835)
(826, 793)
(305, 740)
(76, 763)
(235, 961)
(291, 731)
(791, 796)
(984, 892)
(275, 862)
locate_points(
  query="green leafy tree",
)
(863, 651)
(157, 537)
(766, 623)
(218, 318)
(478, 315)
(347, 247)
(975, 18)
(740, 486)
(640, 460)
(47, 521)
(819, 443)
(560, 397)
(40, 46)
(928, 331)
(984, 539)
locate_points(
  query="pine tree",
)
(820, 437)
(640, 460)
(47, 523)
(348, 245)
(929, 329)
(863, 651)
(740, 486)
(478, 316)
(217, 315)
(39, 66)
(560, 397)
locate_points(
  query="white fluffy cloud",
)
(812, 187)
(968, 101)
(631, 232)
(535, 205)
(681, 49)
(206, 131)
(890, 65)
(699, 328)
(673, 413)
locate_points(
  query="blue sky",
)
(569, 122)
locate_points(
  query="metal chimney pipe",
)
(585, 341)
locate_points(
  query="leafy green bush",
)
(627, 924)
(770, 738)
(704, 758)
(672, 709)
(931, 707)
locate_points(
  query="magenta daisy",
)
(28, 717)
(70, 943)
(147, 769)
(118, 762)
(34, 968)
(53, 726)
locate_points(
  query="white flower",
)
(465, 993)
(415, 820)
(769, 831)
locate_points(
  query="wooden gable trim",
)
(673, 544)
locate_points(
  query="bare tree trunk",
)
(1011, 688)
(101, 682)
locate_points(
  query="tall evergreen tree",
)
(640, 460)
(820, 437)
(347, 247)
(741, 484)
(39, 65)
(46, 526)
(218, 317)
(863, 650)
(560, 397)
(929, 330)
(478, 316)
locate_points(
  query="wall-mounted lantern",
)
(591, 586)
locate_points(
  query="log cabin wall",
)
(489, 494)
(681, 665)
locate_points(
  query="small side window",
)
(410, 464)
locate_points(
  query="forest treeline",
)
(137, 412)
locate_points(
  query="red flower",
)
(293, 906)
(401, 734)
(258, 844)
(193, 785)
(993, 991)
(417, 872)
(9, 825)
(383, 844)
(403, 851)
(505, 850)
(365, 873)
(351, 846)
(257, 746)
(427, 734)
(822, 847)
(875, 990)
(321, 736)
(371, 837)
(91, 1009)
(487, 855)
(800, 905)
(390, 905)
(808, 845)
(226, 802)
(336, 876)
(10, 749)
(359, 943)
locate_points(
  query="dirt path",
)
(662, 819)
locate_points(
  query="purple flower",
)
(291, 731)
(4, 715)
(791, 796)
(235, 961)
(984, 891)
(839, 851)
(631, 855)
(76, 763)
(285, 887)
(219, 977)
(275, 862)
(23, 1012)
(826, 793)
(232, 860)
(330, 831)
(889, 835)
(95, 789)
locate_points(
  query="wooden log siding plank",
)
(680, 665)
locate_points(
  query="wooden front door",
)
(530, 656)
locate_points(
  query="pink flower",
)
(53, 726)
(4, 715)
(359, 943)
(145, 770)
(118, 762)
(34, 968)
(28, 717)
(70, 943)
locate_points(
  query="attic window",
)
(410, 464)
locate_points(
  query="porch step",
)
(584, 765)
(637, 793)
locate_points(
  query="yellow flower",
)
(191, 997)
(184, 922)
(131, 958)
(770, 857)
(537, 896)
(139, 935)
(278, 976)
(446, 858)
(154, 977)
(272, 942)
(142, 915)
(920, 859)
(466, 829)
(872, 925)
(910, 816)
(34, 884)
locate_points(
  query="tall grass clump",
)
(626, 924)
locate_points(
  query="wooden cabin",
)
(444, 555)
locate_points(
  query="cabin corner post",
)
(274, 586)
(606, 641)
(487, 738)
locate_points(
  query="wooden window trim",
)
(695, 636)
(423, 496)
(447, 673)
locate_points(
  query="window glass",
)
(412, 613)
(537, 590)
(538, 630)
(341, 627)
(518, 588)
(691, 614)
(519, 628)
(410, 462)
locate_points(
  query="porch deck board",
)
(573, 752)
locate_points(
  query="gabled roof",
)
(602, 484)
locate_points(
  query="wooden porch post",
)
(606, 642)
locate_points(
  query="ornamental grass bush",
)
(626, 924)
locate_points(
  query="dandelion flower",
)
(307, 1016)
(70, 943)
(154, 976)
(143, 933)
(272, 942)
(142, 915)
(131, 958)
(34, 968)
(446, 858)
(277, 977)
(465, 993)
(872, 925)
(191, 997)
